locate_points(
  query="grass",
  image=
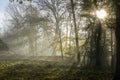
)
(30, 70)
(48, 70)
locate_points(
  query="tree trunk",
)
(111, 41)
(98, 39)
(60, 39)
(76, 33)
(117, 33)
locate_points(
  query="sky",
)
(3, 5)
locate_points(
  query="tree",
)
(3, 46)
(76, 33)
(55, 11)
(117, 33)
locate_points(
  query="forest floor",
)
(34, 69)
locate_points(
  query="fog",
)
(51, 39)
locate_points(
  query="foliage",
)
(3, 46)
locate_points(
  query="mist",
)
(58, 40)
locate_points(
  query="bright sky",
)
(3, 5)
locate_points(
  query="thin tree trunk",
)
(112, 55)
(59, 32)
(76, 33)
(111, 42)
(98, 39)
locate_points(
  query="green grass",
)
(48, 70)
(30, 70)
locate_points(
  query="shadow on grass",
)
(53, 71)
(87, 73)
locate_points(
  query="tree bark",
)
(60, 39)
(76, 33)
(117, 33)
(98, 39)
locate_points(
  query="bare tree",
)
(76, 33)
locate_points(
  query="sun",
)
(101, 14)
